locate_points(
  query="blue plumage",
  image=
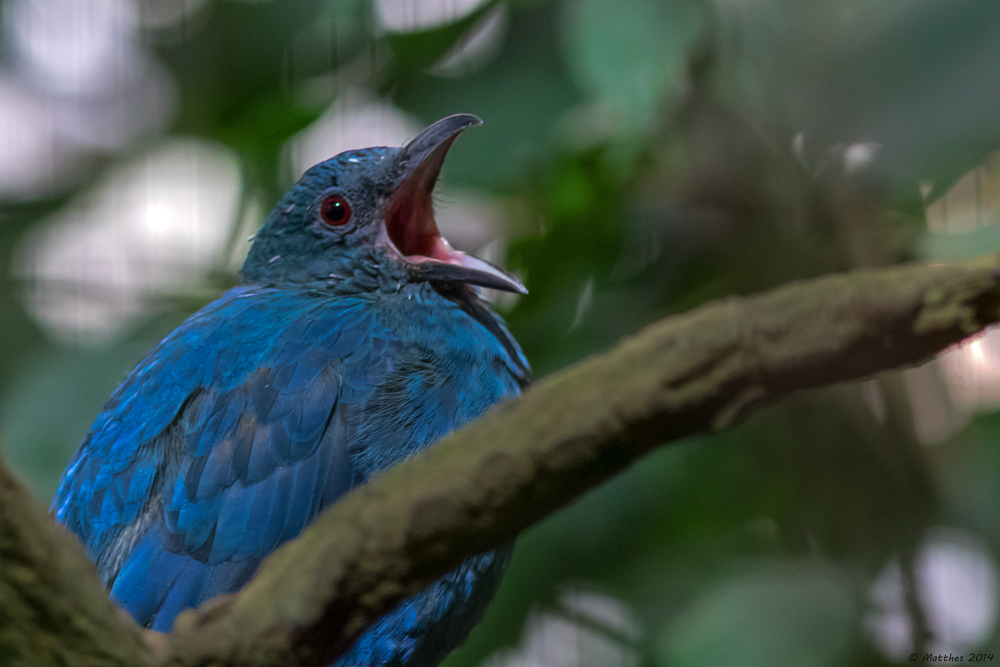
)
(354, 341)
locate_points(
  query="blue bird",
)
(354, 340)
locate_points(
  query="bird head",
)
(370, 207)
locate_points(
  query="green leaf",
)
(793, 616)
(520, 95)
(418, 50)
(940, 247)
(632, 57)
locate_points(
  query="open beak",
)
(410, 230)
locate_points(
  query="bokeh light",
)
(957, 586)
(155, 223)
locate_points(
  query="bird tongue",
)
(409, 220)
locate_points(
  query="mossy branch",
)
(482, 485)
(53, 608)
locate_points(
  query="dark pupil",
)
(334, 211)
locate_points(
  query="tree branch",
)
(482, 485)
(53, 608)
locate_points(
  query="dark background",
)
(638, 158)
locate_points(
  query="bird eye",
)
(335, 211)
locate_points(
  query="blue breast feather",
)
(260, 410)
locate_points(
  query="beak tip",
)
(436, 134)
(511, 284)
(464, 120)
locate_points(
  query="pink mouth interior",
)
(409, 221)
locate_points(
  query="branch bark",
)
(482, 485)
(53, 608)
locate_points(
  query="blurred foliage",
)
(649, 156)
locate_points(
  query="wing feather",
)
(222, 451)
(251, 417)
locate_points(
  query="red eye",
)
(335, 211)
